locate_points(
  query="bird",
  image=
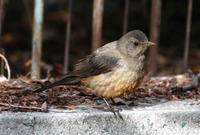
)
(112, 70)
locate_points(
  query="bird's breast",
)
(119, 81)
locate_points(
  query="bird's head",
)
(133, 44)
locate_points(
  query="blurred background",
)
(17, 26)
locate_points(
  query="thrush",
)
(114, 69)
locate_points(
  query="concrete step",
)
(169, 118)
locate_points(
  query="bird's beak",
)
(149, 43)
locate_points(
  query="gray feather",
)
(94, 65)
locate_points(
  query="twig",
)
(193, 85)
(6, 64)
(61, 111)
(21, 107)
(154, 34)
(37, 39)
(125, 23)
(37, 108)
(67, 41)
(187, 36)
(97, 22)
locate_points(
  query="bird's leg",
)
(109, 107)
(119, 109)
(112, 109)
(113, 101)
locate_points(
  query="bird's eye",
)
(136, 43)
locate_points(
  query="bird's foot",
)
(115, 111)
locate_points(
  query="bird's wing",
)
(90, 66)
(101, 61)
(95, 64)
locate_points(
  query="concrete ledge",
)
(170, 118)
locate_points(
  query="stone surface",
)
(169, 118)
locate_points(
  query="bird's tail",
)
(66, 80)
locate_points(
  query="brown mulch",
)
(17, 94)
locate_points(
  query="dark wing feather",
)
(94, 65)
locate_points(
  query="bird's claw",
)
(115, 111)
